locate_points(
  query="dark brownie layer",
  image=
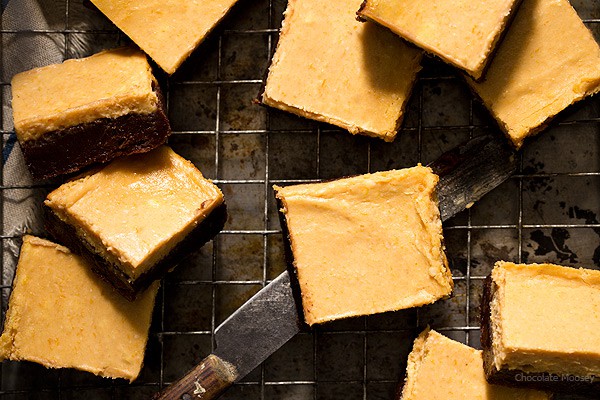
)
(517, 378)
(68, 150)
(290, 263)
(128, 287)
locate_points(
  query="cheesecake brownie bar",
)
(440, 368)
(86, 111)
(61, 315)
(366, 244)
(547, 61)
(540, 327)
(168, 31)
(331, 68)
(463, 33)
(135, 218)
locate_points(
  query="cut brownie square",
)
(463, 33)
(366, 244)
(547, 61)
(85, 111)
(540, 327)
(135, 218)
(168, 31)
(61, 315)
(331, 68)
(440, 368)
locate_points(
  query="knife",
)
(272, 316)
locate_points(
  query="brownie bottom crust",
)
(563, 383)
(125, 285)
(290, 264)
(68, 150)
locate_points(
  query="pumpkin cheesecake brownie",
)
(86, 111)
(60, 315)
(440, 368)
(137, 217)
(167, 30)
(541, 327)
(463, 33)
(547, 61)
(366, 244)
(331, 68)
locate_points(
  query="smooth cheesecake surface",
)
(108, 84)
(138, 208)
(332, 68)
(167, 30)
(461, 32)
(440, 368)
(61, 315)
(547, 61)
(367, 244)
(545, 318)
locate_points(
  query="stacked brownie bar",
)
(527, 62)
(133, 212)
(463, 33)
(546, 61)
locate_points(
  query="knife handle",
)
(206, 381)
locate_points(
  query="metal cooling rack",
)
(549, 211)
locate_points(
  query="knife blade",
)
(471, 170)
(271, 317)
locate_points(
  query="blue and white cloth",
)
(39, 42)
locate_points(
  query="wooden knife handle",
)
(207, 381)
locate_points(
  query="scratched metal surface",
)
(549, 211)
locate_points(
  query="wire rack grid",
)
(547, 212)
